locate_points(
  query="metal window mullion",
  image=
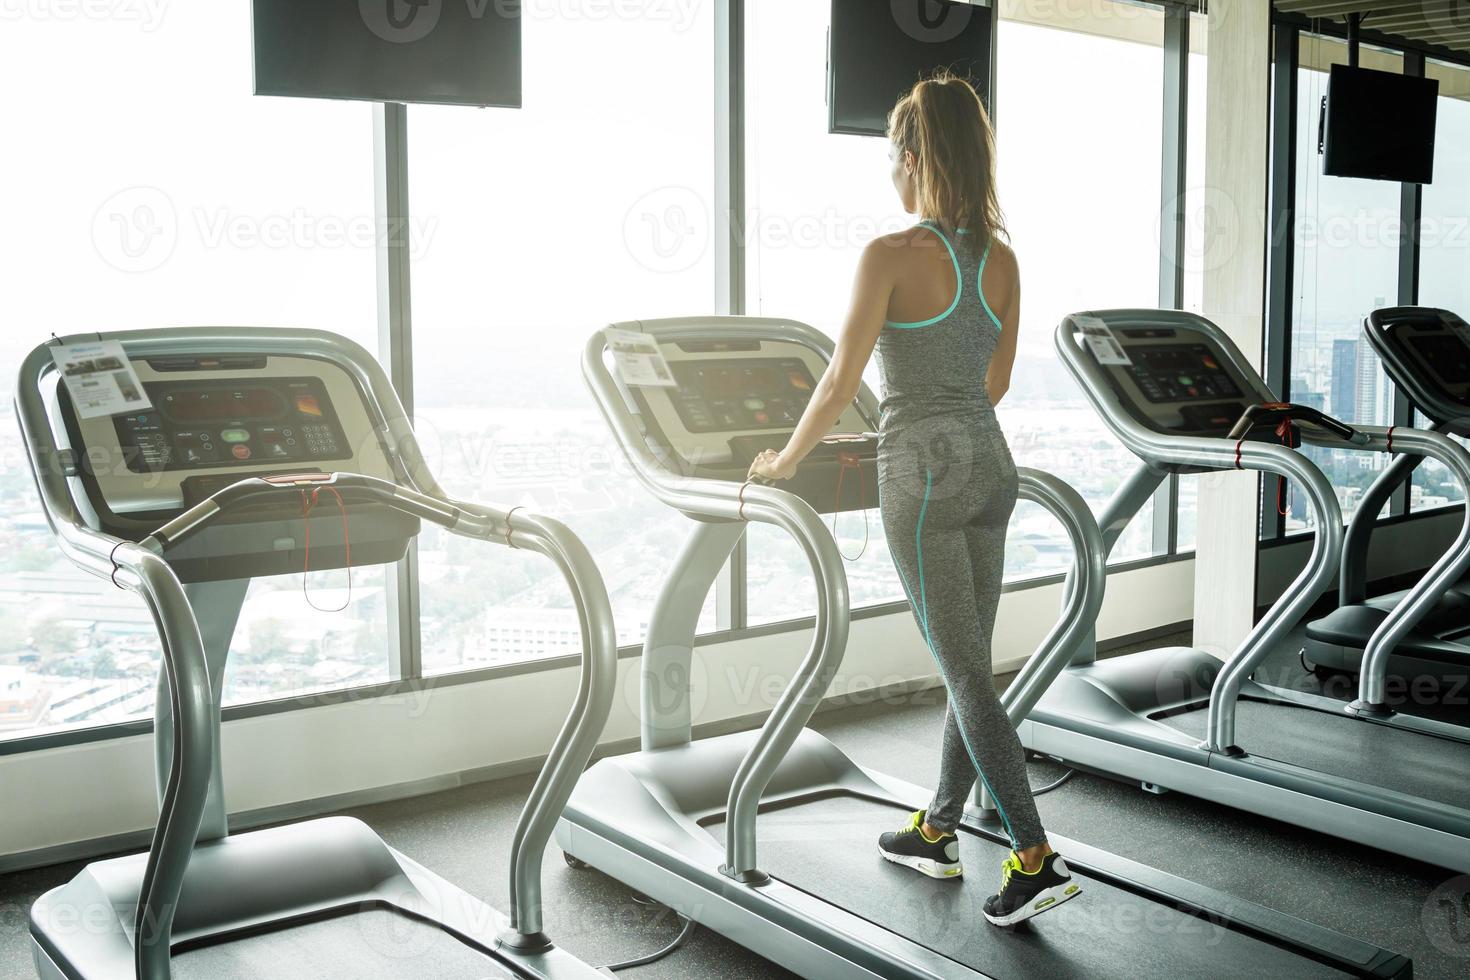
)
(729, 234)
(1411, 208)
(1280, 252)
(1172, 195)
(395, 345)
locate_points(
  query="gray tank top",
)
(933, 371)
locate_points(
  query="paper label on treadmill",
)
(100, 379)
(1101, 342)
(639, 360)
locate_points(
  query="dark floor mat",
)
(1420, 765)
(1440, 694)
(829, 848)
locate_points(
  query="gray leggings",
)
(946, 529)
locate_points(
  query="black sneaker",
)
(1023, 894)
(935, 858)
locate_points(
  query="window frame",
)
(1288, 30)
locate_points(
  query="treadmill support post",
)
(1353, 582)
(668, 650)
(217, 607)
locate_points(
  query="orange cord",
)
(845, 462)
(308, 502)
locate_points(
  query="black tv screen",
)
(877, 50)
(456, 52)
(1379, 125)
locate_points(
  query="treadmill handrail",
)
(1221, 454)
(1082, 595)
(191, 699)
(1451, 565)
(709, 498)
(195, 705)
(1405, 375)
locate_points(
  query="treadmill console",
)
(741, 394)
(735, 397)
(1168, 374)
(1427, 352)
(220, 418)
(232, 423)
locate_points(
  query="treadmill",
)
(182, 503)
(1177, 392)
(768, 836)
(1426, 352)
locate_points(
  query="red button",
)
(762, 417)
(241, 452)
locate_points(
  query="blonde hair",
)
(943, 123)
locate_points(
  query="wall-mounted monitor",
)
(453, 52)
(877, 50)
(1379, 125)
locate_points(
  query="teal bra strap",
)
(980, 287)
(959, 285)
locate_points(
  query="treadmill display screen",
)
(728, 395)
(1447, 357)
(203, 424)
(1180, 372)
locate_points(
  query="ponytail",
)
(943, 123)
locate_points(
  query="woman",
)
(941, 304)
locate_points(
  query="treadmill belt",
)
(1408, 762)
(829, 848)
(371, 945)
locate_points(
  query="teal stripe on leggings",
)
(923, 608)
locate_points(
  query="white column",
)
(1237, 135)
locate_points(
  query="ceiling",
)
(1433, 23)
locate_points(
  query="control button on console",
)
(241, 452)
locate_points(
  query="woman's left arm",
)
(843, 379)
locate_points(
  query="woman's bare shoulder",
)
(1003, 257)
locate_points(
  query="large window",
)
(1444, 273)
(1081, 197)
(814, 200)
(591, 205)
(158, 191)
(1083, 219)
(148, 188)
(1346, 265)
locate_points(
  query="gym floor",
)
(464, 835)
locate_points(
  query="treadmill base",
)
(261, 881)
(648, 819)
